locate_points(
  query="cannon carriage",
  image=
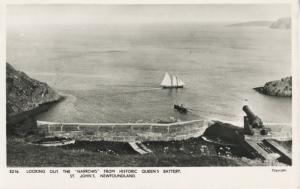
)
(252, 121)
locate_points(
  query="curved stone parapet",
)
(125, 132)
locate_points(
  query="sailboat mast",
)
(171, 81)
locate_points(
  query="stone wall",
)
(124, 132)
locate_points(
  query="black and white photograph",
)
(149, 85)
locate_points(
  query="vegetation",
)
(281, 88)
(110, 154)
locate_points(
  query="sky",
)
(205, 13)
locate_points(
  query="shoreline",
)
(189, 151)
(27, 119)
(183, 137)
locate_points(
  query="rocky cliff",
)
(25, 97)
(282, 23)
(281, 87)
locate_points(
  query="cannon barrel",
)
(249, 113)
(254, 120)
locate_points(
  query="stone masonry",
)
(124, 132)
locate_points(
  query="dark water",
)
(112, 73)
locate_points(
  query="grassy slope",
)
(21, 154)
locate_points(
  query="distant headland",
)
(281, 23)
(282, 88)
(253, 23)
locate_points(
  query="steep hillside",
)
(25, 97)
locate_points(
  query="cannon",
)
(248, 130)
(253, 119)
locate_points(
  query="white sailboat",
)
(171, 81)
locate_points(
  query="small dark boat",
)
(180, 108)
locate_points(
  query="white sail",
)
(174, 81)
(180, 83)
(171, 81)
(166, 82)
